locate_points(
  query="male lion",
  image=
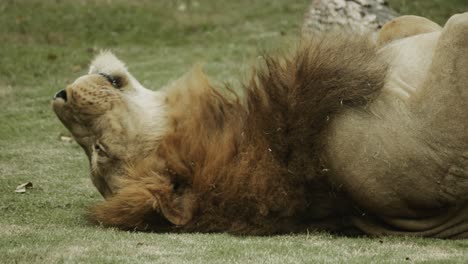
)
(349, 135)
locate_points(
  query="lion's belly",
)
(377, 155)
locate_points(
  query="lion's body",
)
(342, 136)
(408, 169)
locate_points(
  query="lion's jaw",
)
(115, 124)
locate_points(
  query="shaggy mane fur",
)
(252, 164)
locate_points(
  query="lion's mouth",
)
(60, 106)
(70, 120)
(68, 115)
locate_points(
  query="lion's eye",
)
(115, 81)
(100, 150)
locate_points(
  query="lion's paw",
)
(457, 27)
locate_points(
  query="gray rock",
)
(360, 15)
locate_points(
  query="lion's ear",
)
(177, 208)
(174, 199)
(141, 201)
(106, 62)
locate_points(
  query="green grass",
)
(436, 10)
(45, 44)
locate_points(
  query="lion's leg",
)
(442, 102)
(441, 106)
(405, 26)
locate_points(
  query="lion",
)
(350, 134)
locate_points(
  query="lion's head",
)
(113, 117)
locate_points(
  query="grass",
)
(436, 10)
(45, 44)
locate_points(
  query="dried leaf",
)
(66, 139)
(22, 187)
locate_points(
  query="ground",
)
(45, 44)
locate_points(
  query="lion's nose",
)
(62, 94)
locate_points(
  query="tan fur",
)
(330, 138)
(405, 26)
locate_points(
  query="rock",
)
(360, 15)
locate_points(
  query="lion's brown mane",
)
(253, 164)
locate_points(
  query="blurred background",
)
(64, 33)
